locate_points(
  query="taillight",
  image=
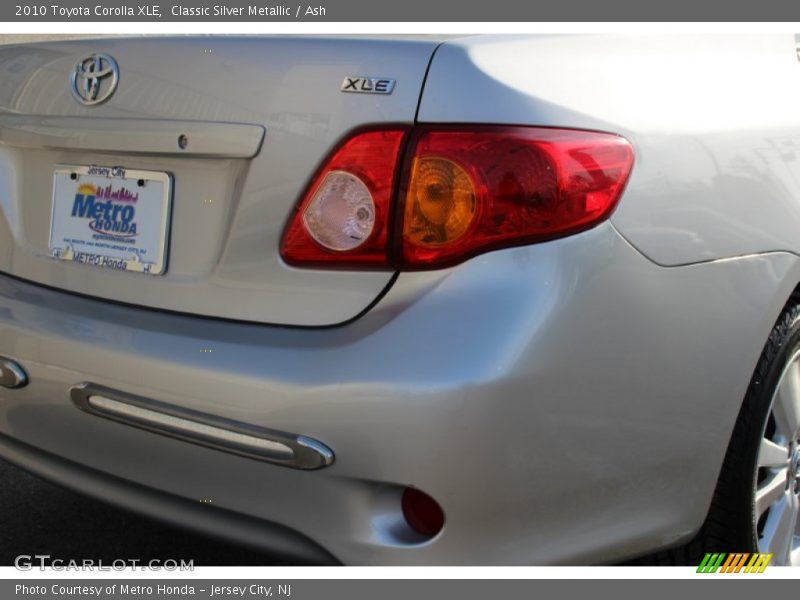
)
(343, 220)
(464, 191)
(471, 191)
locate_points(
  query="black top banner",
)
(474, 11)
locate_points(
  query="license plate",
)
(111, 217)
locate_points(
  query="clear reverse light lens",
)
(341, 214)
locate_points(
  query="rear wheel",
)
(757, 499)
(776, 482)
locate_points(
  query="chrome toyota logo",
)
(94, 79)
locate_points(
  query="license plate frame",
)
(103, 227)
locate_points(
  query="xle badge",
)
(368, 85)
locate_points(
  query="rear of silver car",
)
(533, 392)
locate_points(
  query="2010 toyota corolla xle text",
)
(481, 300)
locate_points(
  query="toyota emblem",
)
(94, 79)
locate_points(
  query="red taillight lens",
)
(472, 191)
(343, 220)
(464, 190)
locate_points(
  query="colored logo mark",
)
(742, 562)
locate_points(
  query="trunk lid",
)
(258, 116)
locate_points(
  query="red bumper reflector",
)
(422, 513)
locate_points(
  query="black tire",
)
(730, 525)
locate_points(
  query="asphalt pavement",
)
(37, 517)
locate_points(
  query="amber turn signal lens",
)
(441, 202)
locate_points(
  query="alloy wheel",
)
(777, 481)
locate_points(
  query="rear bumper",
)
(204, 518)
(565, 403)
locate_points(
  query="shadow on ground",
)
(37, 517)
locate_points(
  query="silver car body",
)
(564, 402)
